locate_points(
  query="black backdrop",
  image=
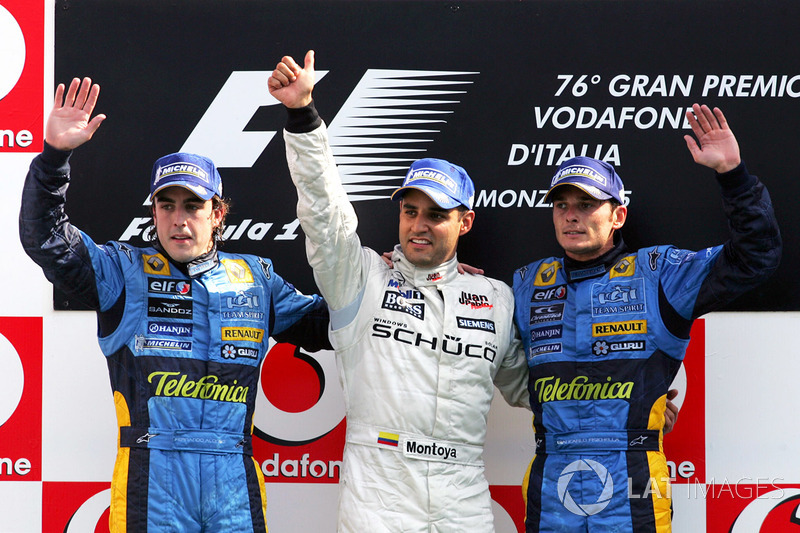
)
(162, 63)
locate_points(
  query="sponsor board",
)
(76, 507)
(22, 76)
(21, 399)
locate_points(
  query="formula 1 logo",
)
(371, 136)
(22, 76)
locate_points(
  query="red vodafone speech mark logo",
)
(76, 507)
(20, 399)
(21, 76)
(299, 417)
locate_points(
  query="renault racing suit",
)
(604, 340)
(418, 350)
(183, 343)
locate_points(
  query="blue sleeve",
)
(698, 283)
(69, 259)
(297, 318)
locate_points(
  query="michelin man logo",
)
(585, 509)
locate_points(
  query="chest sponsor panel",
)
(171, 329)
(406, 335)
(630, 327)
(202, 380)
(475, 323)
(242, 334)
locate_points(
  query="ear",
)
(217, 215)
(620, 216)
(466, 223)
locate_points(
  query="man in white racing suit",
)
(419, 346)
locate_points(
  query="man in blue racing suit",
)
(183, 327)
(605, 330)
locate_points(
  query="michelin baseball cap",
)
(447, 184)
(596, 178)
(190, 171)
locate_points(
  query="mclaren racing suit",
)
(183, 344)
(418, 351)
(604, 340)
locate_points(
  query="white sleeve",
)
(327, 217)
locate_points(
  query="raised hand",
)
(292, 85)
(70, 123)
(715, 147)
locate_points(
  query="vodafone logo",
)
(12, 379)
(89, 515)
(774, 511)
(300, 423)
(12, 52)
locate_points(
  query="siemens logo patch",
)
(546, 313)
(546, 333)
(172, 329)
(472, 323)
(395, 301)
(166, 308)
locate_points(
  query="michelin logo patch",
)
(542, 349)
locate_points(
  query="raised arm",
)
(325, 213)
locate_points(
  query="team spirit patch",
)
(618, 298)
(244, 305)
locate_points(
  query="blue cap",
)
(190, 171)
(447, 184)
(596, 178)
